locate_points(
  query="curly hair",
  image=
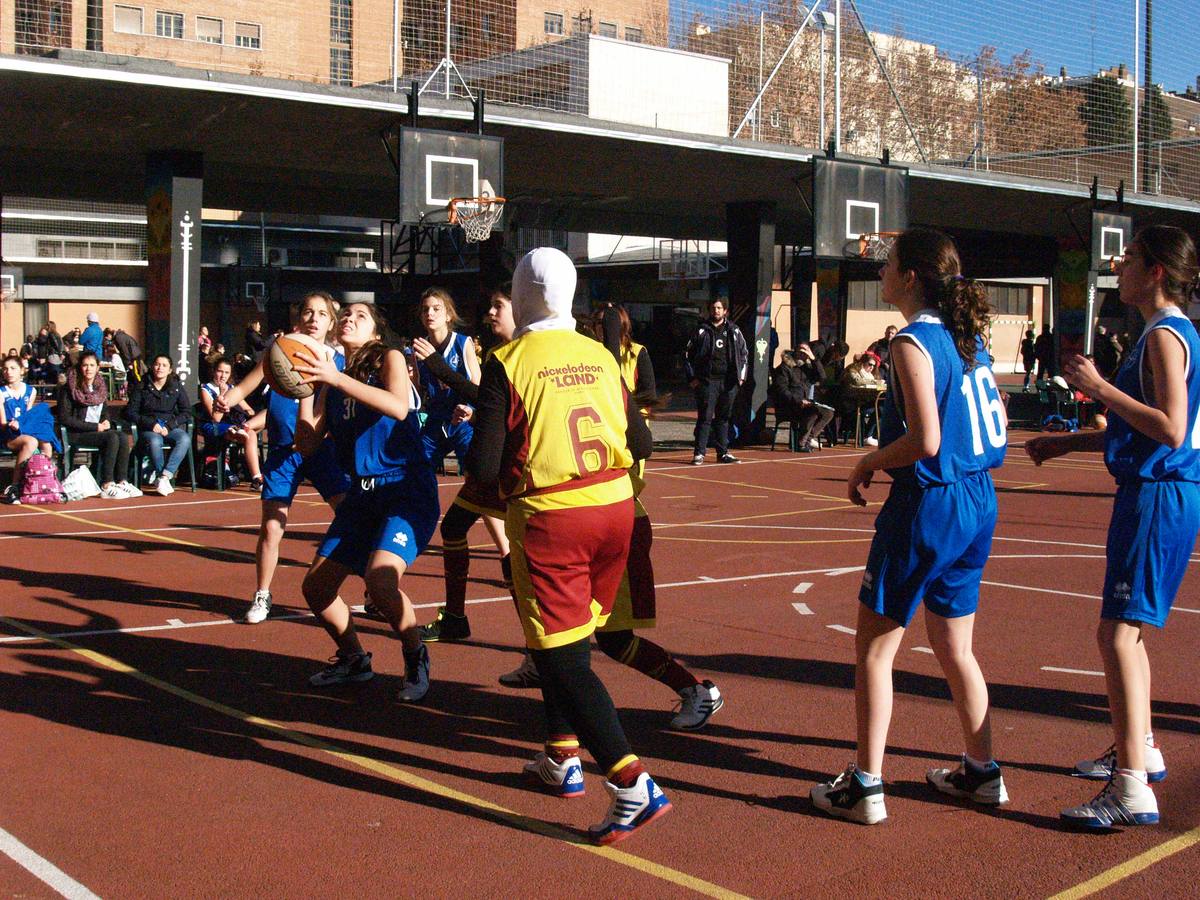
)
(932, 257)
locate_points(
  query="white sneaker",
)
(630, 809)
(814, 444)
(871, 442)
(846, 797)
(698, 459)
(1102, 767)
(698, 704)
(128, 489)
(966, 782)
(113, 492)
(1125, 800)
(260, 608)
(163, 488)
(564, 779)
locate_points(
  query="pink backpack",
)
(40, 483)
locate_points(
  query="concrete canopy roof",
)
(79, 126)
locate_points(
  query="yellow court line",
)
(1131, 866)
(240, 554)
(393, 773)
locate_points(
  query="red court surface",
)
(154, 748)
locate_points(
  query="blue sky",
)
(1083, 35)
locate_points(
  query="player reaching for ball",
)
(286, 468)
(943, 427)
(1152, 448)
(556, 430)
(391, 510)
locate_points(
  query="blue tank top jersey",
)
(281, 412)
(16, 404)
(970, 411)
(369, 444)
(1128, 453)
(441, 399)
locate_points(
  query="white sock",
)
(1139, 774)
(1149, 738)
(868, 779)
(976, 764)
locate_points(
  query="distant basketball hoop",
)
(476, 216)
(686, 260)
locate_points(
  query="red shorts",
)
(567, 565)
(635, 606)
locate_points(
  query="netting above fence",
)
(1016, 86)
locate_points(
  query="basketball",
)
(281, 362)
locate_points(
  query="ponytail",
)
(966, 312)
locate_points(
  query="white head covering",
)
(543, 291)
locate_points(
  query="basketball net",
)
(476, 216)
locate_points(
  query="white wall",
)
(640, 84)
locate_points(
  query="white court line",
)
(802, 587)
(63, 534)
(1071, 671)
(43, 869)
(1023, 587)
(842, 628)
(923, 650)
(802, 608)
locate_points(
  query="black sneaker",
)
(446, 627)
(846, 797)
(984, 786)
(727, 457)
(416, 677)
(343, 669)
(11, 495)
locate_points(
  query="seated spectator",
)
(862, 373)
(833, 359)
(83, 411)
(160, 409)
(25, 425)
(231, 425)
(792, 393)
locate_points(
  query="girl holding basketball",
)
(1152, 448)
(391, 510)
(286, 468)
(942, 428)
(444, 431)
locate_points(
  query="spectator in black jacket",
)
(793, 389)
(255, 342)
(160, 409)
(83, 411)
(716, 362)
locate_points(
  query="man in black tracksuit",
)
(716, 362)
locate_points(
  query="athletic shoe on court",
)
(343, 669)
(260, 608)
(128, 489)
(698, 459)
(1102, 767)
(564, 779)
(416, 677)
(697, 705)
(163, 488)
(12, 494)
(256, 484)
(631, 808)
(871, 442)
(846, 797)
(1125, 800)
(112, 492)
(523, 676)
(965, 782)
(728, 458)
(446, 627)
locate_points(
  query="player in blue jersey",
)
(1152, 448)
(943, 426)
(443, 431)
(391, 510)
(285, 468)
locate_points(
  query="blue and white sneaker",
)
(631, 808)
(1125, 800)
(564, 779)
(968, 783)
(846, 797)
(1102, 767)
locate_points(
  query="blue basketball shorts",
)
(284, 470)
(930, 544)
(397, 516)
(1150, 541)
(439, 437)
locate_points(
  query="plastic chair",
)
(140, 456)
(69, 451)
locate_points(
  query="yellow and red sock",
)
(456, 558)
(652, 660)
(561, 747)
(625, 771)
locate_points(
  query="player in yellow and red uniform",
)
(556, 429)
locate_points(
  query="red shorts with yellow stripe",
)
(567, 564)
(482, 499)
(635, 606)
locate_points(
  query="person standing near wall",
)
(716, 361)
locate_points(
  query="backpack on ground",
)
(39, 483)
(208, 475)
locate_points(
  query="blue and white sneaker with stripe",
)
(1102, 767)
(563, 779)
(631, 808)
(1125, 800)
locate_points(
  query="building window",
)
(168, 24)
(1009, 299)
(608, 29)
(211, 31)
(340, 19)
(339, 66)
(633, 34)
(41, 24)
(553, 23)
(581, 24)
(247, 35)
(127, 19)
(865, 295)
(485, 26)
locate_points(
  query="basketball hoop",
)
(872, 245)
(476, 216)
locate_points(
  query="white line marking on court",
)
(703, 578)
(802, 608)
(178, 623)
(63, 534)
(1023, 587)
(845, 570)
(749, 496)
(842, 628)
(802, 587)
(1071, 671)
(1184, 609)
(922, 650)
(43, 869)
(678, 497)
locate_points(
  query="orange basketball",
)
(282, 359)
